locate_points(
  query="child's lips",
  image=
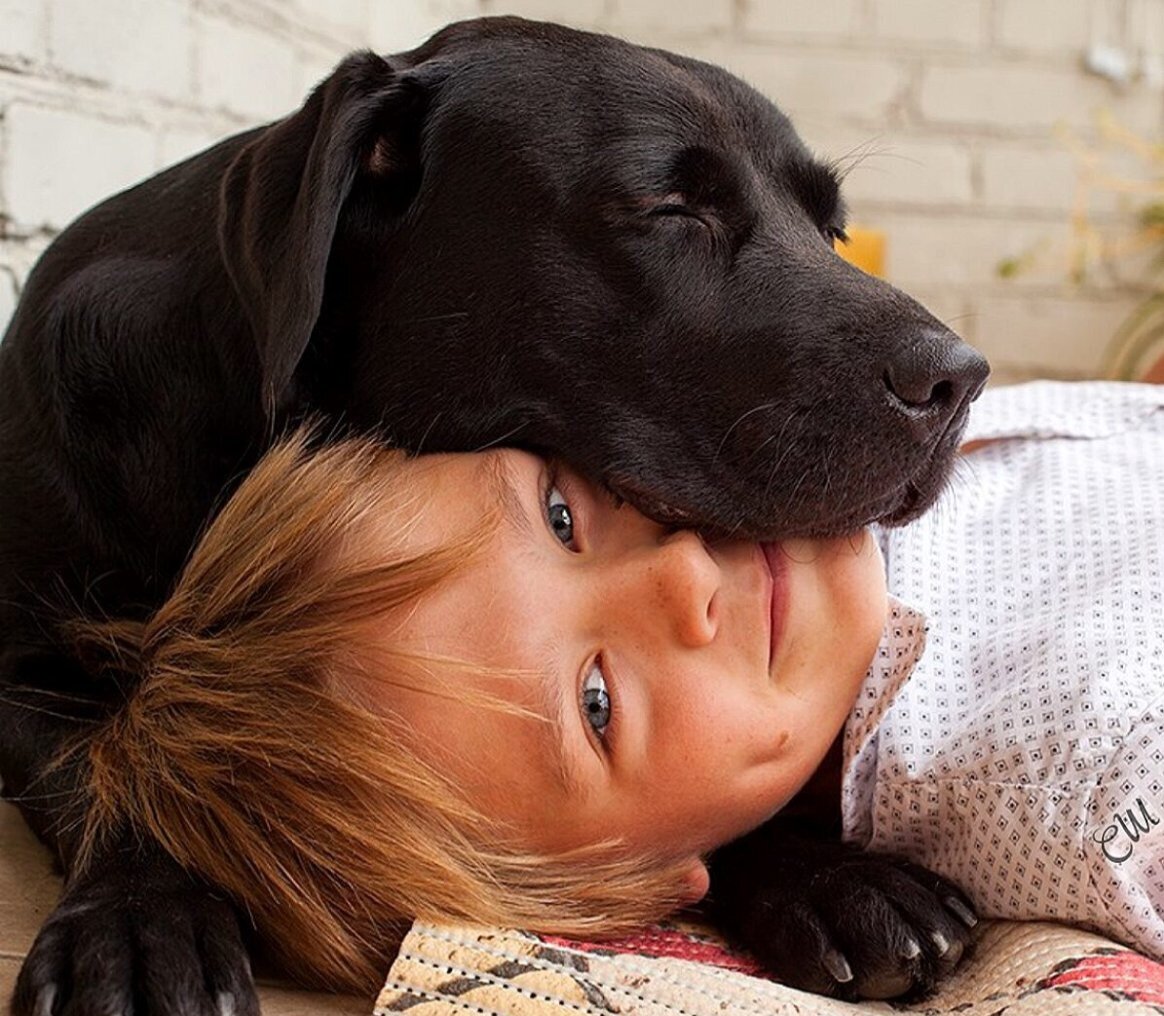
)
(777, 568)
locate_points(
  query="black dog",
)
(514, 234)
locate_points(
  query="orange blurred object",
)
(865, 249)
(1155, 373)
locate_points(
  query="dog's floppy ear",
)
(281, 199)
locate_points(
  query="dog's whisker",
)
(25, 797)
(777, 436)
(497, 440)
(857, 154)
(49, 693)
(968, 316)
(789, 447)
(450, 316)
(828, 479)
(792, 496)
(28, 707)
(889, 153)
(427, 431)
(739, 420)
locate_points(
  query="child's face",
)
(694, 728)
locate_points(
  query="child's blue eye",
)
(560, 517)
(596, 700)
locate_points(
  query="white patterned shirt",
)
(1022, 753)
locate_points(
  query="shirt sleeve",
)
(1124, 836)
(1031, 727)
(1048, 409)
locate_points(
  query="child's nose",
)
(686, 580)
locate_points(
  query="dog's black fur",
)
(518, 234)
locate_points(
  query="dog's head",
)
(524, 234)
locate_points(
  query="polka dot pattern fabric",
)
(1022, 753)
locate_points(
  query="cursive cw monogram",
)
(1118, 840)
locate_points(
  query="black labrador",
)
(516, 233)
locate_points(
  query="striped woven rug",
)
(681, 969)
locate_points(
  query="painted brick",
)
(1146, 28)
(946, 23)
(830, 86)
(775, 18)
(639, 19)
(1109, 23)
(1016, 96)
(23, 36)
(7, 299)
(395, 27)
(177, 144)
(20, 254)
(578, 13)
(346, 19)
(452, 10)
(1061, 334)
(1025, 179)
(1003, 374)
(59, 162)
(1042, 26)
(949, 306)
(950, 144)
(245, 70)
(965, 252)
(896, 170)
(134, 45)
(314, 64)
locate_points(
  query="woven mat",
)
(682, 969)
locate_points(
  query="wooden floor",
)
(28, 892)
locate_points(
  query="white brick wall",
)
(244, 69)
(60, 162)
(777, 19)
(942, 112)
(642, 19)
(947, 24)
(1054, 337)
(23, 39)
(138, 46)
(98, 94)
(402, 24)
(827, 87)
(1043, 26)
(7, 293)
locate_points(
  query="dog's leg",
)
(47, 702)
(827, 917)
(135, 934)
(132, 932)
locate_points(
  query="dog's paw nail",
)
(965, 914)
(912, 949)
(226, 1003)
(838, 966)
(940, 942)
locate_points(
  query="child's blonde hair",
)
(246, 754)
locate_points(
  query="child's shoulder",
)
(1068, 409)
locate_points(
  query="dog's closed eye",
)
(673, 204)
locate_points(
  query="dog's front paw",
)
(141, 941)
(828, 918)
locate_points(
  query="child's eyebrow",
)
(551, 687)
(555, 704)
(500, 477)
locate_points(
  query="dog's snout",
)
(933, 376)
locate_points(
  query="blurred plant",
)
(1141, 334)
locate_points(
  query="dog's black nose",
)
(935, 375)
